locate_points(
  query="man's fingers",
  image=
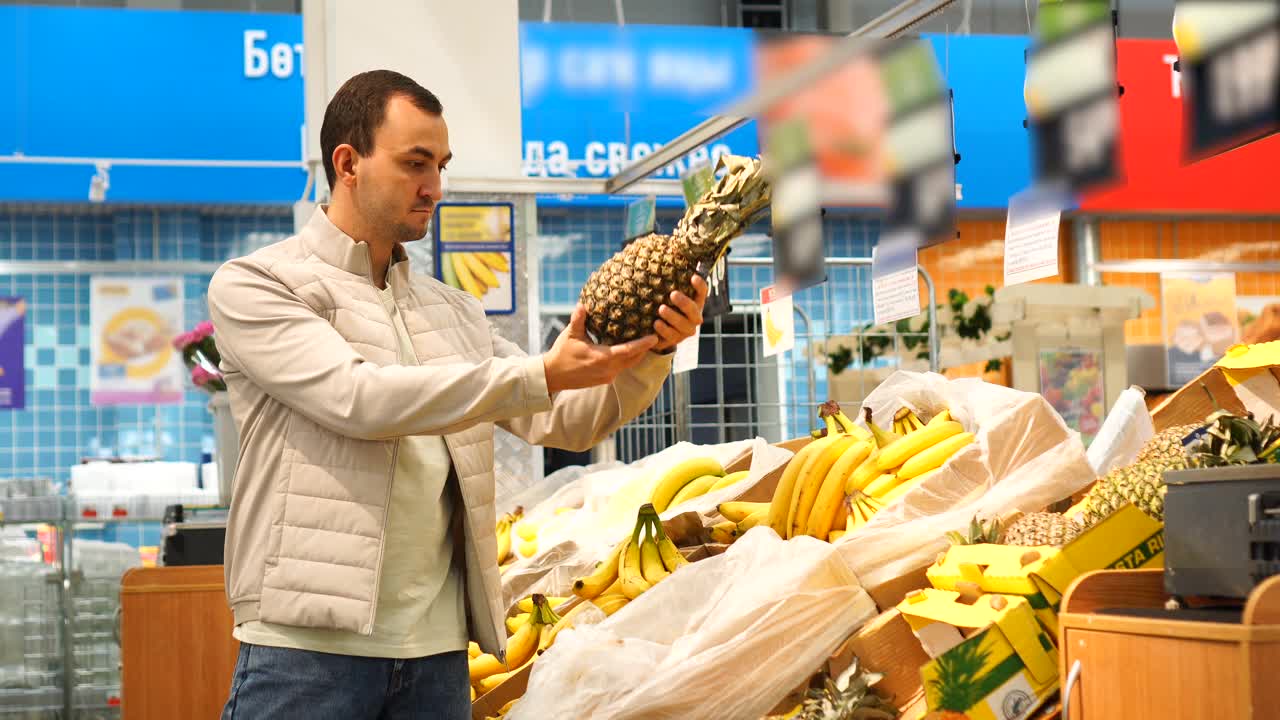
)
(700, 289)
(667, 334)
(578, 323)
(686, 324)
(635, 347)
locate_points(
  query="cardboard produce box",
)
(1127, 539)
(1246, 379)
(991, 659)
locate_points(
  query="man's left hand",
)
(680, 318)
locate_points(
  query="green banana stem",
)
(656, 529)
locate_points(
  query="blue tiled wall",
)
(59, 426)
(573, 242)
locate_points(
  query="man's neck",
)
(380, 249)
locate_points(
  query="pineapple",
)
(622, 296)
(848, 697)
(1142, 481)
(1041, 528)
(956, 687)
(980, 532)
(1235, 440)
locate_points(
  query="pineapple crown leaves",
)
(731, 205)
(1235, 440)
(849, 696)
(980, 532)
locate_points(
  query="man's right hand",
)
(576, 362)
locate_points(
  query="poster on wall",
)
(1200, 322)
(13, 313)
(475, 252)
(1071, 380)
(133, 322)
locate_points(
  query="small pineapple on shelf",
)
(1039, 529)
(848, 697)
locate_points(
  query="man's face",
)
(399, 182)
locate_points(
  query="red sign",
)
(1153, 149)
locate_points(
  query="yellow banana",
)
(469, 282)
(629, 572)
(781, 503)
(812, 480)
(526, 605)
(610, 604)
(566, 621)
(479, 270)
(904, 488)
(527, 530)
(696, 487)
(739, 510)
(750, 521)
(602, 577)
(495, 260)
(882, 485)
(730, 479)
(516, 621)
(916, 443)
(651, 566)
(935, 456)
(855, 430)
(527, 548)
(473, 649)
(485, 665)
(831, 491)
(667, 550)
(521, 645)
(857, 517)
(842, 514)
(504, 537)
(942, 417)
(675, 478)
(907, 420)
(724, 532)
(834, 535)
(883, 439)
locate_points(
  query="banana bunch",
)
(810, 497)
(636, 564)
(689, 479)
(525, 608)
(908, 454)
(530, 640)
(473, 271)
(505, 523)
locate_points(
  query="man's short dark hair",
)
(357, 110)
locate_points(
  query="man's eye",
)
(417, 164)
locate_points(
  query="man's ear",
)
(345, 159)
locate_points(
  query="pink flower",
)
(182, 341)
(201, 377)
(203, 330)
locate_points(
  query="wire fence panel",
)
(736, 393)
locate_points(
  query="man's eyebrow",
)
(420, 150)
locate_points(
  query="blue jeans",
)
(281, 683)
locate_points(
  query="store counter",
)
(176, 645)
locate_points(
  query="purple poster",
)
(13, 312)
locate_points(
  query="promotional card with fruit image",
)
(1071, 380)
(1200, 321)
(475, 252)
(778, 317)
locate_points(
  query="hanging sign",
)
(1071, 94)
(641, 216)
(696, 181)
(475, 251)
(13, 312)
(1229, 55)
(1031, 235)
(777, 315)
(133, 322)
(798, 260)
(895, 286)
(686, 354)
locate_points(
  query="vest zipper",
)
(386, 500)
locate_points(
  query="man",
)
(360, 554)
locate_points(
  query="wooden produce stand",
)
(1146, 666)
(177, 651)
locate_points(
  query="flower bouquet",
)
(200, 355)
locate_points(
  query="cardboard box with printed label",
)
(991, 658)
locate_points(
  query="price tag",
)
(717, 289)
(895, 285)
(777, 316)
(686, 354)
(1031, 235)
(640, 217)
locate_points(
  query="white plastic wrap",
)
(610, 497)
(1024, 458)
(1127, 428)
(728, 636)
